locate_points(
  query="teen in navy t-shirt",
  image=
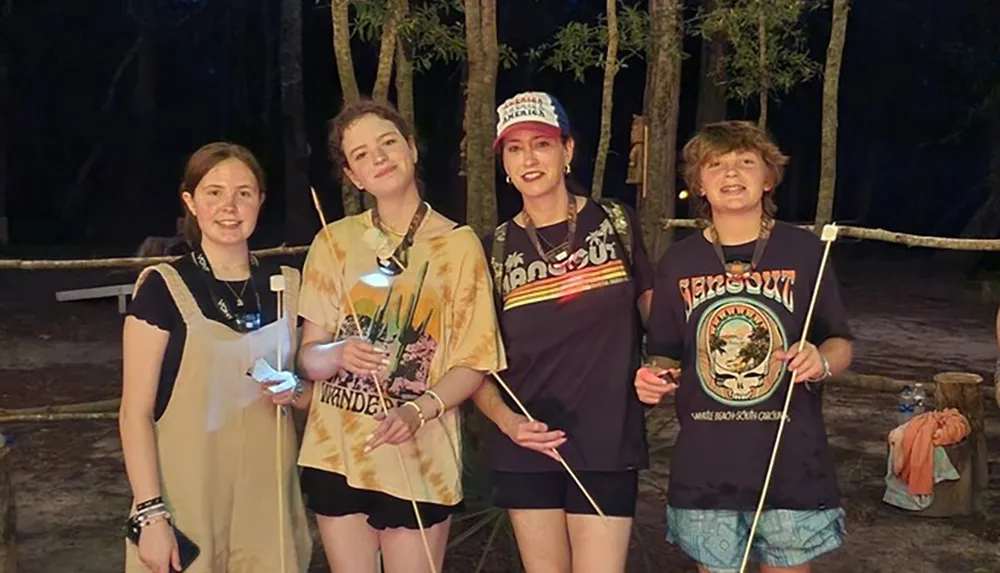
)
(573, 284)
(728, 313)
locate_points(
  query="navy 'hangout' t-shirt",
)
(732, 389)
(572, 341)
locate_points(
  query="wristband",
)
(420, 413)
(440, 402)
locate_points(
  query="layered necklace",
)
(557, 255)
(241, 319)
(740, 269)
(393, 261)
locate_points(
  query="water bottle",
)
(906, 405)
(919, 399)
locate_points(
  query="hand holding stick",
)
(829, 236)
(554, 451)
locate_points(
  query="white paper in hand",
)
(263, 372)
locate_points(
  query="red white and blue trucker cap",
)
(535, 111)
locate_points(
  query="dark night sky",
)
(913, 70)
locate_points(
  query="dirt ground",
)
(912, 320)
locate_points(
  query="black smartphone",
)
(187, 550)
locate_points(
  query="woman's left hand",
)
(286, 397)
(282, 398)
(808, 363)
(395, 428)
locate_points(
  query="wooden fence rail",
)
(881, 235)
(122, 262)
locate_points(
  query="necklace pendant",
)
(239, 302)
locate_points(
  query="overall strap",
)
(179, 291)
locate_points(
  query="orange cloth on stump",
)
(913, 446)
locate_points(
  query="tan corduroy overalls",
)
(216, 445)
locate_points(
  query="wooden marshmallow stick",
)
(828, 236)
(278, 287)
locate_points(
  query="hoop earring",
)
(508, 180)
(568, 169)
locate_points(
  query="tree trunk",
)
(963, 391)
(270, 69)
(4, 129)
(480, 100)
(607, 101)
(711, 89)
(144, 117)
(8, 513)
(764, 81)
(985, 222)
(298, 201)
(76, 191)
(487, 126)
(831, 84)
(239, 101)
(342, 50)
(662, 106)
(387, 52)
(404, 74)
(339, 11)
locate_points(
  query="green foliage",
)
(578, 46)
(434, 30)
(787, 60)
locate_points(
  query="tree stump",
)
(963, 391)
(953, 498)
(8, 534)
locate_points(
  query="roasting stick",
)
(278, 287)
(829, 236)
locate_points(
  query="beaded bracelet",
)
(149, 503)
(420, 413)
(299, 389)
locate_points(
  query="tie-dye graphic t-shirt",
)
(732, 390)
(435, 316)
(572, 340)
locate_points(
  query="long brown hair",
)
(199, 164)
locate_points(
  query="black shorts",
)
(328, 494)
(614, 492)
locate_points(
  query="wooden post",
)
(637, 153)
(8, 522)
(963, 391)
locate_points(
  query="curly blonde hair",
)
(724, 137)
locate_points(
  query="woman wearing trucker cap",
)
(573, 285)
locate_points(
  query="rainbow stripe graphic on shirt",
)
(567, 286)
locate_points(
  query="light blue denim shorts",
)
(785, 538)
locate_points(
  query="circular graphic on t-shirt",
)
(737, 338)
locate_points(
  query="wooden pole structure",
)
(8, 521)
(963, 391)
